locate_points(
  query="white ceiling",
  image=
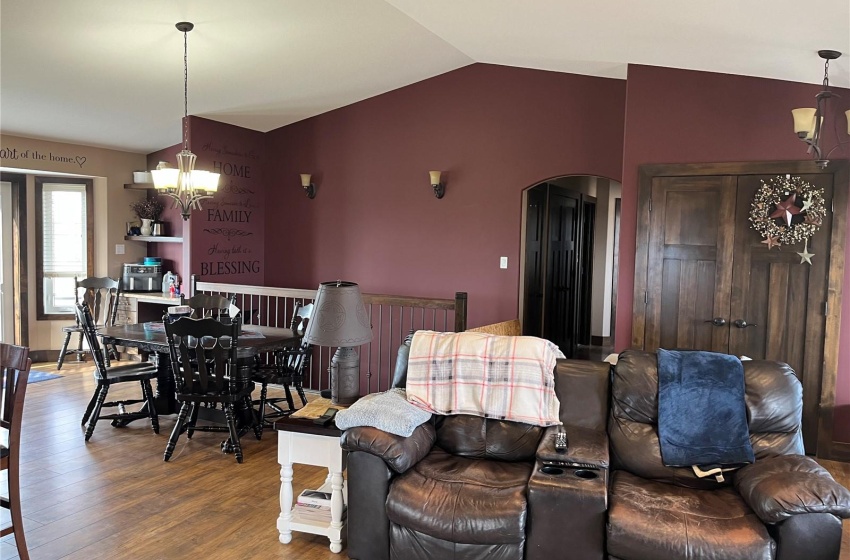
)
(110, 73)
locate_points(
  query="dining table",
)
(150, 338)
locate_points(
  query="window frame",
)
(39, 234)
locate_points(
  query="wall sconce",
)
(439, 188)
(309, 187)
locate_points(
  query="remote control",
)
(561, 442)
(571, 464)
(326, 418)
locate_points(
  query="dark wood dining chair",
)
(101, 295)
(15, 365)
(287, 370)
(210, 305)
(105, 376)
(204, 360)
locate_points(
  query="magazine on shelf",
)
(314, 497)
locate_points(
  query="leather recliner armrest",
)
(584, 445)
(400, 453)
(778, 488)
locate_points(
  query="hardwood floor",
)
(115, 497)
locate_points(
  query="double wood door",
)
(558, 265)
(711, 284)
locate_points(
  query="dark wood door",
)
(702, 261)
(535, 245)
(690, 270)
(561, 270)
(781, 300)
(559, 225)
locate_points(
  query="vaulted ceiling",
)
(110, 74)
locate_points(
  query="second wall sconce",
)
(309, 187)
(439, 188)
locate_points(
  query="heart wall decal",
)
(81, 160)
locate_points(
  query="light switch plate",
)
(119, 248)
(503, 262)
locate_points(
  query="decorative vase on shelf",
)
(146, 226)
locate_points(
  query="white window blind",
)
(64, 250)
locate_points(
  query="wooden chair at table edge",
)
(96, 289)
(14, 360)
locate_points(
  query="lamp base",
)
(345, 376)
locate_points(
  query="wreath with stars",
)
(787, 210)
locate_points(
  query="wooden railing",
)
(392, 318)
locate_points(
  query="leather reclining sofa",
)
(464, 487)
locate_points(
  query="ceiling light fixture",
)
(808, 122)
(186, 185)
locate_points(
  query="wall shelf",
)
(154, 238)
(138, 186)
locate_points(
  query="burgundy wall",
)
(227, 241)
(683, 116)
(492, 130)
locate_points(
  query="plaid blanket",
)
(503, 377)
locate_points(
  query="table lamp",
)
(340, 320)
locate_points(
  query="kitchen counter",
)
(152, 297)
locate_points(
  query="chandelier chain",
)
(185, 90)
(826, 74)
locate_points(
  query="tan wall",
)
(110, 169)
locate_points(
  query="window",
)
(63, 208)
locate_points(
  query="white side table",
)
(302, 441)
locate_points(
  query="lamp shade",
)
(804, 121)
(340, 318)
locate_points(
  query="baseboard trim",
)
(601, 340)
(839, 451)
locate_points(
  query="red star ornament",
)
(772, 242)
(786, 209)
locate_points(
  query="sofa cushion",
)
(462, 500)
(486, 438)
(649, 520)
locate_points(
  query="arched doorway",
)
(569, 264)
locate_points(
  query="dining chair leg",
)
(79, 351)
(193, 419)
(90, 407)
(264, 388)
(101, 398)
(15, 509)
(288, 393)
(234, 435)
(300, 390)
(175, 433)
(147, 391)
(63, 351)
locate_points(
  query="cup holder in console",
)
(586, 474)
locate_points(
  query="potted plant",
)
(148, 211)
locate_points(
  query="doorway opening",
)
(568, 263)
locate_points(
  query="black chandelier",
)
(809, 122)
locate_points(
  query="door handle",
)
(742, 324)
(717, 321)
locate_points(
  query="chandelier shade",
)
(185, 184)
